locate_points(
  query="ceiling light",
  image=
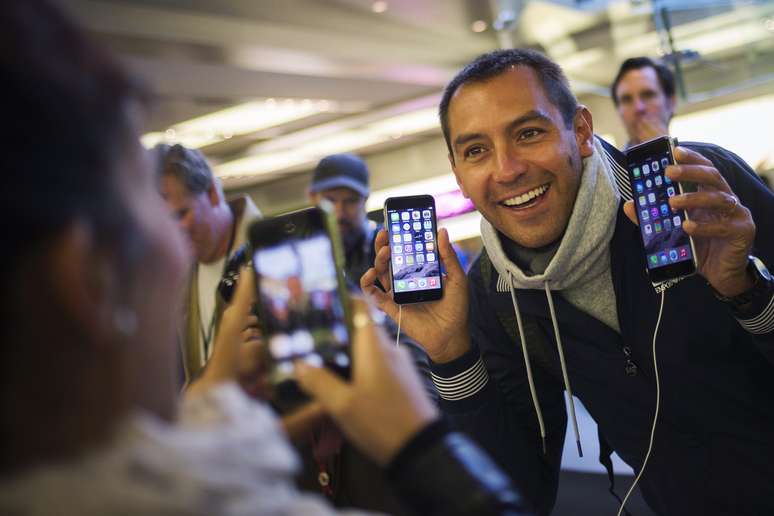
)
(379, 7)
(238, 120)
(478, 26)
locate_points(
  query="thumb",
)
(630, 212)
(448, 255)
(322, 385)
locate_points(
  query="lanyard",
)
(207, 336)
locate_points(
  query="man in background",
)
(216, 229)
(644, 96)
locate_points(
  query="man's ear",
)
(672, 105)
(213, 194)
(457, 176)
(583, 124)
(81, 280)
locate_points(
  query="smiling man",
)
(560, 300)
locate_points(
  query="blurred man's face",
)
(349, 207)
(194, 213)
(642, 105)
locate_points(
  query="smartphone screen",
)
(415, 266)
(301, 298)
(669, 251)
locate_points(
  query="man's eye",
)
(527, 134)
(473, 151)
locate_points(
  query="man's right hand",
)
(440, 327)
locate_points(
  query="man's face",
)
(349, 207)
(514, 157)
(194, 213)
(642, 105)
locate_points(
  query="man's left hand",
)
(723, 230)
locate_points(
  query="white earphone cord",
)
(655, 416)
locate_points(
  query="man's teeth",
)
(526, 197)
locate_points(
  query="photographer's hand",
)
(440, 327)
(385, 403)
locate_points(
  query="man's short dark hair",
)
(666, 78)
(493, 64)
(189, 166)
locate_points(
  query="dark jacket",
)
(713, 451)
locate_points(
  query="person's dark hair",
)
(666, 78)
(189, 167)
(493, 64)
(70, 113)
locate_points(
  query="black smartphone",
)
(669, 251)
(415, 268)
(302, 301)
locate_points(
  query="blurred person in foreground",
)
(643, 92)
(216, 230)
(90, 419)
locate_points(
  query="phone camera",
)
(289, 228)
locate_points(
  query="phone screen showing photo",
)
(300, 305)
(412, 230)
(668, 249)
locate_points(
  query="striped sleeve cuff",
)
(462, 385)
(762, 323)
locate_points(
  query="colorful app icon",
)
(417, 226)
(648, 183)
(432, 282)
(654, 166)
(645, 169)
(654, 212)
(648, 229)
(398, 260)
(405, 216)
(667, 180)
(428, 224)
(422, 283)
(662, 258)
(395, 228)
(415, 215)
(420, 258)
(658, 180)
(394, 216)
(683, 252)
(671, 191)
(407, 248)
(665, 209)
(400, 285)
(429, 246)
(426, 214)
(430, 257)
(638, 186)
(667, 224)
(428, 235)
(412, 285)
(653, 259)
(418, 247)
(407, 237)
(657, 227)
(642, 200)
(397, 249)
(406, 227)
(636, 172)
(664, 163)
(409, 259)
(676, 221)
(652, 198)
(396, 238)
(673, 255)
(643, 216)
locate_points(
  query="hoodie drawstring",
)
(566, 378)
(530, 379)
(533, 392)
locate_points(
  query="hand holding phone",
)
(440, 327)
